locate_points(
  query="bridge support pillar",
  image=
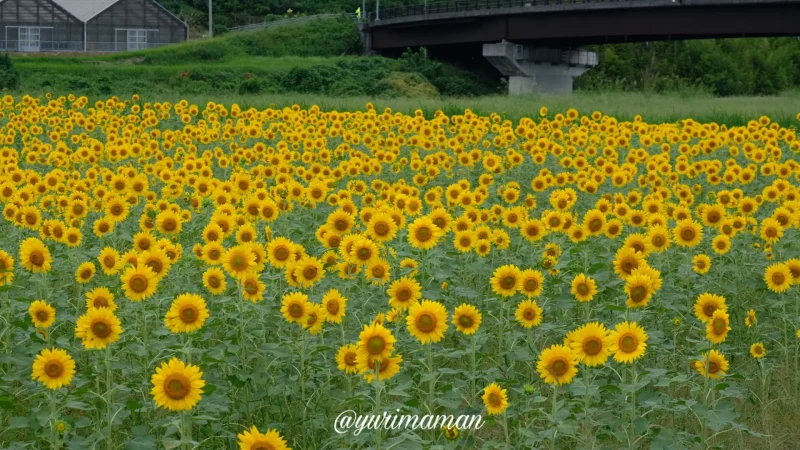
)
(536, 69)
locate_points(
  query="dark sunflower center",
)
(531, 285)
(529, 314)
(340, 224)
(176, 387)
(101, 329)
(713, 367)
(595, 225)
(375, 345)
(687, 234)
(778, 278)
(719, 326)
(42, 316)
(169, 225)
(189, 314)
(638, 294)
(628, 343)
(138, 283)
(53, 369)
(281, 253)
(296, 311)
(583, 289)
(494, 399)
(100, 302)
(37, 258)
(332, 307)
(426, 323)
(559, 367)
(350, 359)
(309, 273)
(508, 282)
(404, 294)
(423, 234)
(592, 346)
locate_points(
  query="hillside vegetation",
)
(316, 58)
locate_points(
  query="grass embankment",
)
(654, 108)
(314, 58)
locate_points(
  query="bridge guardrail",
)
(470, 5)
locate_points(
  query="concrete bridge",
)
(537, 43)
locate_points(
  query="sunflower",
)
(557, 364)
(295, 307)
(381, 227)
(315, 319)
(451, 432)
(495, 399)
(701, 264)
(139, 282)
(252, 287)
(427, 321)
(334, 304)
(42, 314)
(717, 328)
(626, 260)
(98, 328)
(238, 260)
(687, 233)
(387, 368)
(252, 439)
(750, 319)
(378, 272)
(627, 342)
(177, 386)
(771, 230)
(778, 278)
(721, 244)
(404, 292)
(212, 254)
(35, 256)
(280, 252)
(214, 280)
(375, 342)
(308, 271)
(590, 345)
(157, 260)
(594, 222)
(109, 260)
(639, 290)
(341, 221)
(505, 280)
(467, 319)
(423, 233)
(100, 297)
(531, 282)
(54, 368)
(658, 238)
(85, 272)
(464, 241)
(757, 350)
(533, 230)
(528, 313)
(583, 288)
(713, 364)
(346, 358)
(6, 268)
(187, 314)
(363, 251)
(706, 304)
(168, 222)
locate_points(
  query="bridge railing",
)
(468, 5)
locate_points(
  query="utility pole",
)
(377, 9)
(210, 20)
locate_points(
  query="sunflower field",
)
(184, 276)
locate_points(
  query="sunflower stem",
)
(109, 416)
(53, 415)
(586, 403)
(473, 373)
(505, 429)
(377, 403)
(633, 404)
(553, 418)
